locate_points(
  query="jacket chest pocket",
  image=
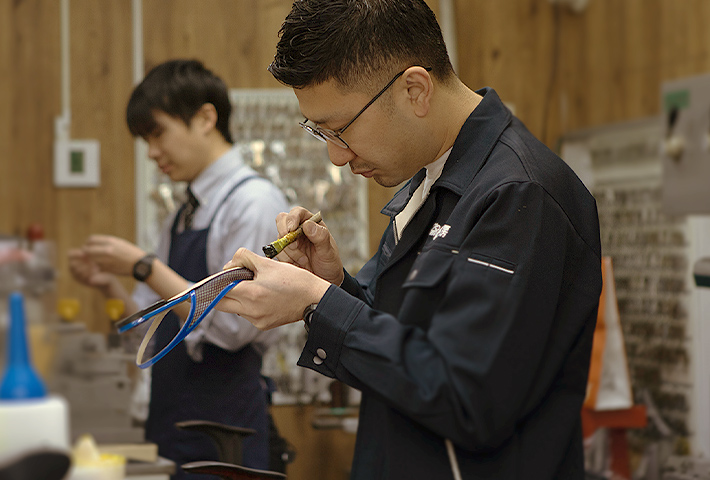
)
(425, 286)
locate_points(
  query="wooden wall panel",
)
(235, 38)
(560, 70)
(101, 81)
(564, 71)
(320, 454)
(7, 78)
(29, 100)
(29, 105)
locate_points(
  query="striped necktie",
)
(188, 211)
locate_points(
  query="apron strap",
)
(229, 194)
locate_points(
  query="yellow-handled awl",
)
(275, 247)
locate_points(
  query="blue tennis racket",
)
(201, 297)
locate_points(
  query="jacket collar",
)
(474, 143)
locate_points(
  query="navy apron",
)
(225, 387)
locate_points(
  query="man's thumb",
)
(317, 234)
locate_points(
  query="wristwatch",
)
(143, 267)
(308, 315)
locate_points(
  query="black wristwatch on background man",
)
(143, 267)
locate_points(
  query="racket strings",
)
(205, 294)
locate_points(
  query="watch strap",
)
(144, 267)
(308, 315)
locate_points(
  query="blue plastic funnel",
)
(20, 380)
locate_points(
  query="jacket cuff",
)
(330, 322)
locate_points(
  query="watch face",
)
(142, 269)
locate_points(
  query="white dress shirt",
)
(246, 219)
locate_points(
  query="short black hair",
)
(179, 88)
(358, 42)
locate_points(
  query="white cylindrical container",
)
(29, 424)
(89, 464)
(108, 469)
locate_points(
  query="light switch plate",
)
(686, 124)
(76, 163)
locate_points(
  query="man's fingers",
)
(318, 235)
(243, 258)
(228, 304)
(289, 222)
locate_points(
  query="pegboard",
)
(265, 127)
(653, 252)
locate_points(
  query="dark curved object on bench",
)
(44, 464)
(230, 471)
(227, 438)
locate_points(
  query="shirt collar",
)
(434, 170)
(207, 183)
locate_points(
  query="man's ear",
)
(205, 119)
(420, 88)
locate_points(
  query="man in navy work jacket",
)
(469, 332)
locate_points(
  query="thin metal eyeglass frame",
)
(325, 134)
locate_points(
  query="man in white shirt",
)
(182, 110)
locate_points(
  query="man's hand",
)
(315, 251)
(87, 272)
(277, 295)
(113, 254)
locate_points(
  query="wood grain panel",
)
(29, 107)
(101, 80)
(28, 103)
(235, 38)
(561, 71)
(7, 79)
(321, 454)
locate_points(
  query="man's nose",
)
(339, 156)
(153, 151)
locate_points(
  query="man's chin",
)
(385, 181)
(176, 177)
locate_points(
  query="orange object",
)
(114, 308)
(609, 383)
(68, 309)
(609, 402)
(617, 421)
(35, 232)
(634, 417)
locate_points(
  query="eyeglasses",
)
(201, 297)
(326, 134)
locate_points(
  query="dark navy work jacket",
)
(477, 326)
